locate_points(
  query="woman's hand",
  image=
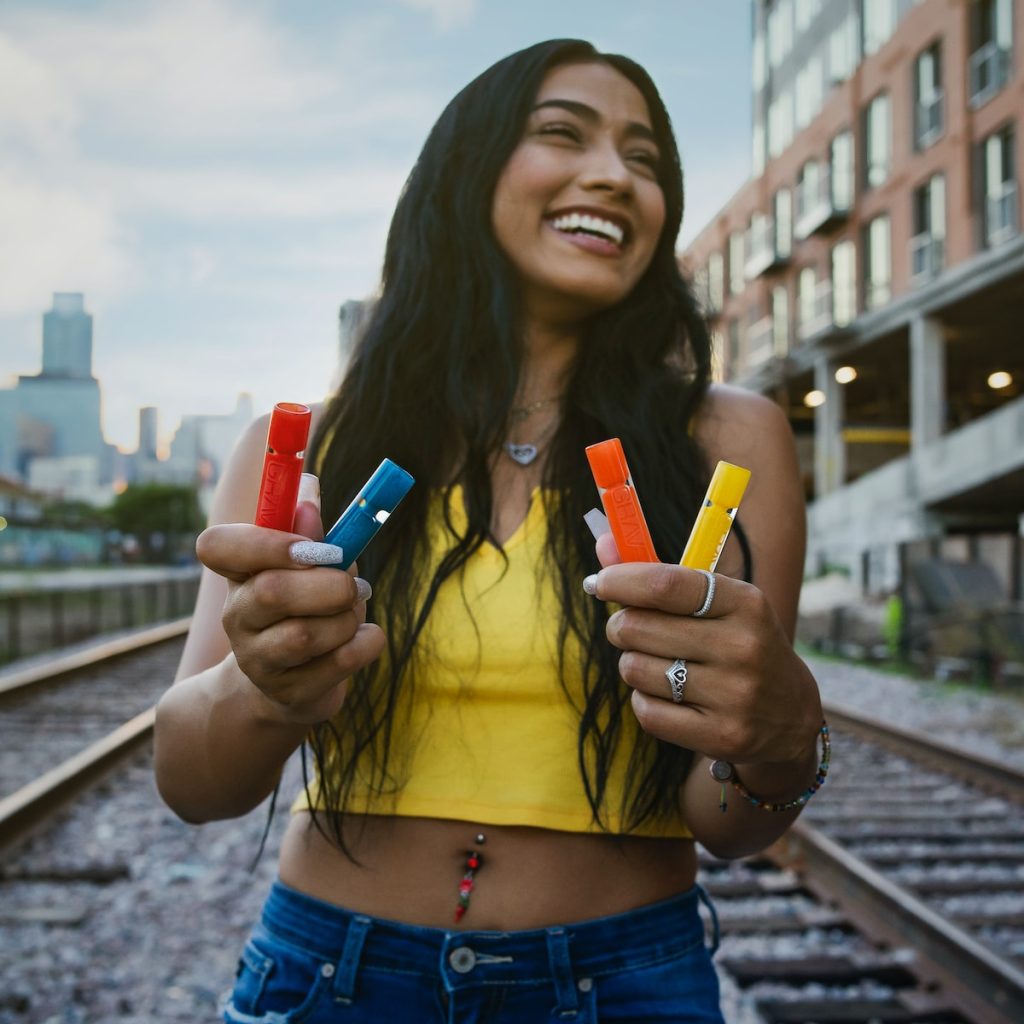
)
(298, 631)
(748, 698)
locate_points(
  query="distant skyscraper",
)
(55, 414)
(67, 337)
(147, 432)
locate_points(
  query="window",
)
(877, 141)
(808, 188)
(877, 263)
(928, 113)
(716, 282)
(879, 23)
(758, 240)
(757, 154)
(841, 158)
(780, 320)
(737, 278)
(807, 284)
(929, 217)
(733, 353)
(809, 92)
(844, 283)
(780, 32)
(780, 122)
(783, 207)
(760, 62)
(842, 51)
(992, 36)
(1000, 187)
(806, 10)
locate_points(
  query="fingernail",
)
(311, 552)
(598, 523)
(363, 589)
(590, 585)
(309, 488)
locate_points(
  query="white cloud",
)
(53, 239)
(191, 68)
(34, 105)
(228, 194)
(445, 13)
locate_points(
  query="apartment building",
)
(870, 274)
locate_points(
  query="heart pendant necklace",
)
(525, 453)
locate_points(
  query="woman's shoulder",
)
(741, 426)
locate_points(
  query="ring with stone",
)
(676, 676)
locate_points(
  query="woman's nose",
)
(606, 170)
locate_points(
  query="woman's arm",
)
(269, 652)
(749, 699)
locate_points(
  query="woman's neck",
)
(547, 354)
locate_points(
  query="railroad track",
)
(900, 891)
(67, 722)
(898, 896)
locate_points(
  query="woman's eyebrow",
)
(588, 113)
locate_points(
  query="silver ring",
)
(709, 596)
(676, 676)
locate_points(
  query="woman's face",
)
(578, 208)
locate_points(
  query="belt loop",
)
(561, 973)
(348, 965)
(715, 931)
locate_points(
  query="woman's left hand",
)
(748, 698)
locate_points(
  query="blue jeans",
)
(312, 962)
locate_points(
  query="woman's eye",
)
(565, 130)
(647, 158)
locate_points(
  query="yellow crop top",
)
(488, 733)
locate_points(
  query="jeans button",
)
(463, 960)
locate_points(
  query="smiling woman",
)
(507, 789)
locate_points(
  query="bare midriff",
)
(409, 870)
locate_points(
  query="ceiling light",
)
(845, 374)
(999, 379)
(814, 398)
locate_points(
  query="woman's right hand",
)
(298, 631)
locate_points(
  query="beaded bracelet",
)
(723, 772)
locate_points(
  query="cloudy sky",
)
(217, 176)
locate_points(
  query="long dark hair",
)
(436, 371)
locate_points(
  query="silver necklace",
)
(525, 453)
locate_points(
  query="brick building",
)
(870, 274)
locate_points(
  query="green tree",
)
(160, 516)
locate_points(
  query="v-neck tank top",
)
(487, 732)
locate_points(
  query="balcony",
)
(928, 120)
(821, 204)
(760, 343)
(927, 254)
(989, 72)
(1001, 214)
(877, 294)
(816, 313)
(764, 251)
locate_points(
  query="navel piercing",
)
(474, 861)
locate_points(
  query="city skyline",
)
(217, 178)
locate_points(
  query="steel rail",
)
(857, 885)
(985, 771)
(52, 668)
(26, 808)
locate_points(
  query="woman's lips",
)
(591, 243)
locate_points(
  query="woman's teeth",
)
(573, 222)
